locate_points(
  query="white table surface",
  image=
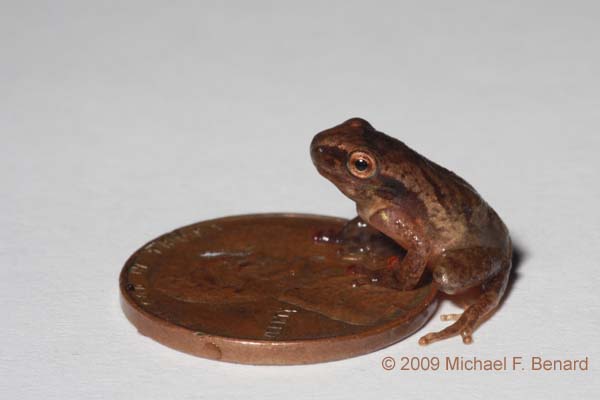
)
(122, 120)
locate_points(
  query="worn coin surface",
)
(259, 289)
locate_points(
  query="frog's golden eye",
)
(362, 165)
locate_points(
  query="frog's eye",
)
(361, 165)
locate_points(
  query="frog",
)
(448, 231)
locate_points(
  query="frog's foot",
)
(454, 274)
(466, 322)
(464, 325)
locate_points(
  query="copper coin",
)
(258, 289)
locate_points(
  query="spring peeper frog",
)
(439, 219)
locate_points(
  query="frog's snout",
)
(325, 156)
(316, 154)
(317, 148)
(329, 148)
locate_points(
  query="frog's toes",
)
(459, 327)
(450, 317)
(467, 336)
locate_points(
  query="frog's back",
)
(465, 207)
(456, 212)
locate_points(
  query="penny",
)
(259, 289)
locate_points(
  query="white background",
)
(120, 121)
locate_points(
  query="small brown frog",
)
(439, 219)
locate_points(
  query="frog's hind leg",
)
(466, 322)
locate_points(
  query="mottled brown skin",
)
(441, 220)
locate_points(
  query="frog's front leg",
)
(409, 270)
(460, 270)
